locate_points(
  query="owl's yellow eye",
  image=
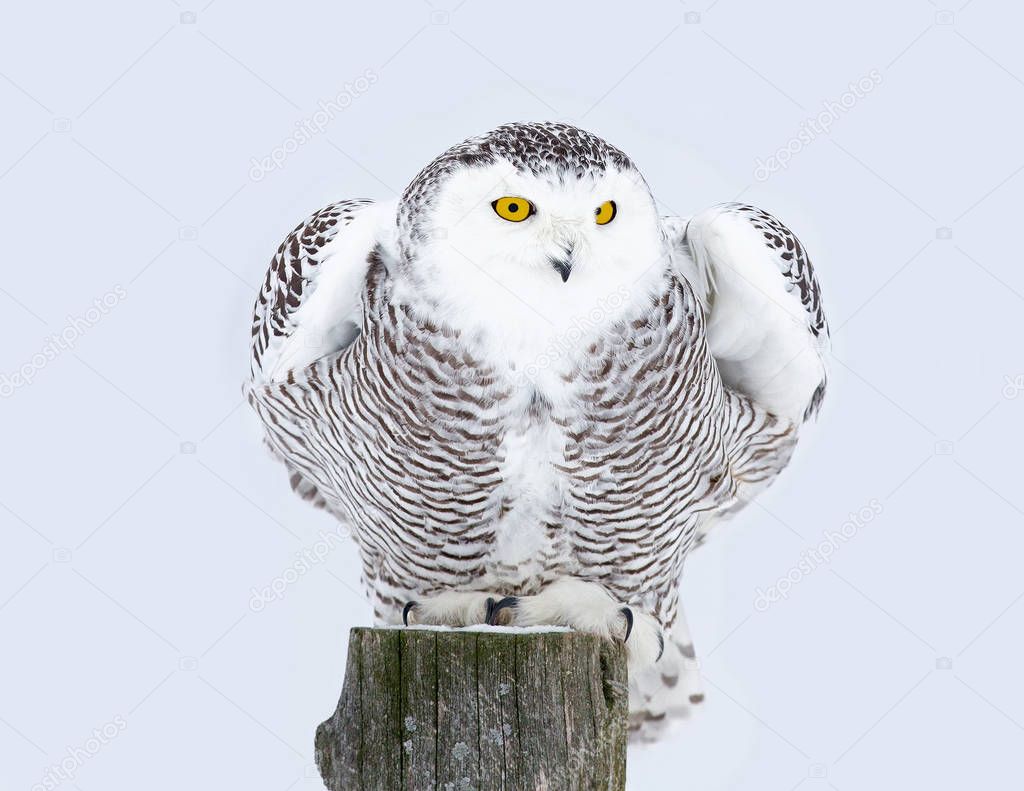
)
(513, 209)
(605, 213)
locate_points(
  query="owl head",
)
(538, 216)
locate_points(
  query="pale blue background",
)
(127, 564)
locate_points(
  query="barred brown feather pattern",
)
(405, 434)
(292, 268)
(793, 260)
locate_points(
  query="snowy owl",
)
(529, 396)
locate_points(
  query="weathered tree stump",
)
(429, 710)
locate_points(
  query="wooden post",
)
(430, 710)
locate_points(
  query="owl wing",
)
(309, 304)
(766, 327)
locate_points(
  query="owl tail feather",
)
(665, 693)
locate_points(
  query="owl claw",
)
(406, 610)
(493, 608)
(628, 615)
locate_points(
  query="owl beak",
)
(563, 263)
(564, 268)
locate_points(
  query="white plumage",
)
(529, 396)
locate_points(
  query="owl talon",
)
(405, 611)
(628, 615)
(493, 609)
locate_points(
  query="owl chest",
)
(563, 462)
(529, 534)
(512, 446)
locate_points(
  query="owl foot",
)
(455, 608)
(586, 607)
